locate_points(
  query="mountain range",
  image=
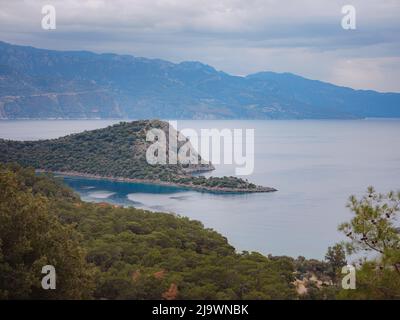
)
(39, 83)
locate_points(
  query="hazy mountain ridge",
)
(38, 83)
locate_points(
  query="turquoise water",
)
(315, 165)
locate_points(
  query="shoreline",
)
(159, 182)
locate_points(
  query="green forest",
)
(118, 151)
(101, 251)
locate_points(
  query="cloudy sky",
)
(237, 36)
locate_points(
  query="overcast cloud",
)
(239, 37)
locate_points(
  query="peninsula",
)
(118, 153)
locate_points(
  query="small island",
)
(118, 153)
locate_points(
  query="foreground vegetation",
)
(119, 253)
(106, 252)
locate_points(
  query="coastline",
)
(259, 189)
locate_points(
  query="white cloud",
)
(368, 73)
(237, 36)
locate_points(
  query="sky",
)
(240, 37)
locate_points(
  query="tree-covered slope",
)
(130, 253)
(118, 151)
(32, 236)
(38, 83)
(102, 251)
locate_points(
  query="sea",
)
(314, 164)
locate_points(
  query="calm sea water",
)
(315, 165)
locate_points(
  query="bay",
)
(315, 165)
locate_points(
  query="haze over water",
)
(316, 165)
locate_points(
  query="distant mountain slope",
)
(37, 83)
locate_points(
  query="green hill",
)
(105, 252)
(116, 152)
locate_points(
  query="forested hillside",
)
(118, 151)
(130, 253)
(105, 252)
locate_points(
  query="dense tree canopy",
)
(137, 254)
(101, 251)
(31, 237)
(118, 151)
(374, 229)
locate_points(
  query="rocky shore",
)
(257, 189)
